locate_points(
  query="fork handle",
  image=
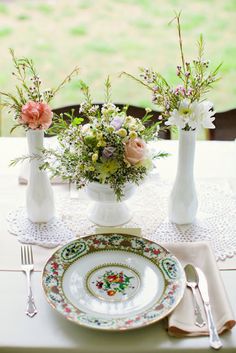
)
(30, 307)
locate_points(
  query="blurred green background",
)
(108, 36)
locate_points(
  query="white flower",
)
(194, 115)
(203, 116)
(129, 120)
(109, 108)
(86, 128)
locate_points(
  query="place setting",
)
(118, 282)
(118, 244)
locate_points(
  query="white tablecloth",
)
(49, 332)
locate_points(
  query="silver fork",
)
(27, 265)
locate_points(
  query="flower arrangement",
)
(110, 148)
(183, 105)
(30, 104)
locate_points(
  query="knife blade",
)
(203, 289)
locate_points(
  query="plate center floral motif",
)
(112, 282)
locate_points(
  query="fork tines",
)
(26, 254)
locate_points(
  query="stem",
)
(67, 79)
(107, 90)
(136, 79)
(180, 40)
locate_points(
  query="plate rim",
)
(113, 329)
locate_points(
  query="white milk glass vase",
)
(183, 201)
(39, 196)
(105, 210)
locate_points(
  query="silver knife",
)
(203, 289)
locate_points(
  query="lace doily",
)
(48, 234)
(216, 218)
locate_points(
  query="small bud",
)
(94, 157)
(133, 134)
(148, 110)
(122, 132)
(155, 88)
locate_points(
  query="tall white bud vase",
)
(39, 196)
(183, 198)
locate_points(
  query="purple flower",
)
(108, 152)
(117, 122)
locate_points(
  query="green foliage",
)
(101, 46)
(3, 9)
(5, 31)
(85, 4)
(193, 21)
(142, 23)
(55, 49)
(46, 9)
(78, 31)
(23, 17)
(230, 5)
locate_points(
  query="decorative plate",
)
(113, 281)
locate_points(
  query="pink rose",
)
(135, 150)
(36, 115)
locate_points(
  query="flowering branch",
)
(30, 103)
(183, 105)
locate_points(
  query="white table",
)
(48, 331)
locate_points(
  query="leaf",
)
(161, 155)
(217, 69)
(146, 118)
(77, 121)
(14, 127)
(200, 47)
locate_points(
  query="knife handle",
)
(197, 311)
(214, 338)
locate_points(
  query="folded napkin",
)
(181, 321)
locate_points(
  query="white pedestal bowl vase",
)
(39, 196)
(105, 209)
(183, 201)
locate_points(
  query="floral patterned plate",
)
(113, 281)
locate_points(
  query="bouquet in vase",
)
(103, 145)
(30, 106)
(183, 106)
